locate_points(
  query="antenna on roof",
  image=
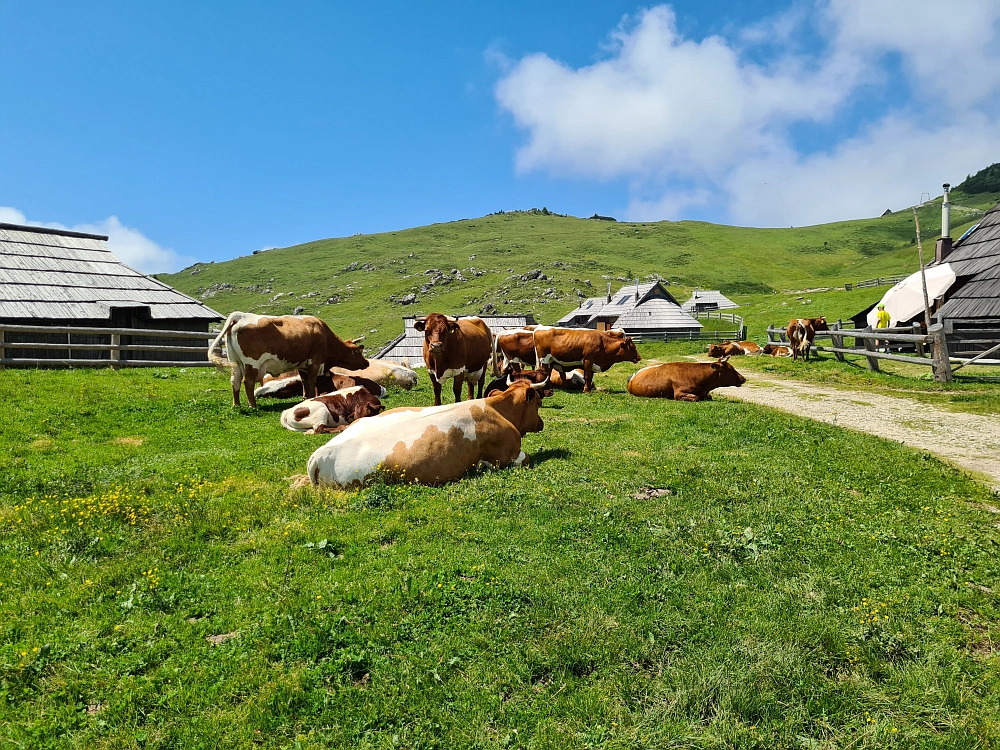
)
(609, 292)
(637, 290)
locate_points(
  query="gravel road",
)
(971, 441)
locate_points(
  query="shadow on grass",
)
(547, 454)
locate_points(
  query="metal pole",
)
(923, 275)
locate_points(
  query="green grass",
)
(972, 390)
(366, 272)
(546, 607)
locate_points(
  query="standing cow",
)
(457, 349)
(258, 345)
(594, 351)
(516, 346)
(801, 332)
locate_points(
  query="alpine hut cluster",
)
(59, 278)
(641, 310)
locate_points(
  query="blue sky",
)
(208, 130)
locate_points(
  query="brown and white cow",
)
(434, 444)
(259, 345)
(776, 350)
(289, 385)
(331, 412)
(594, 351)
(801, 332)
(734, 349)
(384, 372)
(569, 381)
(457, 349)
(516, 346)
(684, 381)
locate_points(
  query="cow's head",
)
(536, 377)
(436, 328)
(724, 374)
(627, 351)
(819, 324)
(529, 397)
(716, 350)
(365, 405)
(352, 356)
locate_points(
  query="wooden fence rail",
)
(937, 340)
(114, 347)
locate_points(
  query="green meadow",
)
(665, 575)
(365, 276)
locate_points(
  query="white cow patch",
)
(549, 359)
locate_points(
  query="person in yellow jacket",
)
(882, 321)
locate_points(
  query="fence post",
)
(838, 341)
(939, 353)
(870, 347)
(920, 344)
(3, 354)
(116, 352)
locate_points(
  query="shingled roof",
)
(55, 274)
(708, 299)
(637, 307)
(976, 262)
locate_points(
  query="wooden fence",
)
(119, 354)
(933, 349)
(879, 281)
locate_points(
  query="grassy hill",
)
(470, 266)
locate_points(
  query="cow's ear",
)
(529, 395)
(453, 326)
(418, 325)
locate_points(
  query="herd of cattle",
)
(299, 356)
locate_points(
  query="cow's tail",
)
(215, 350)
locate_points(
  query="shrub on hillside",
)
(984, 181)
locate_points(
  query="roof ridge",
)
(50, 230)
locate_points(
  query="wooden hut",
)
(708, 300)
(641, 310)
(57, 278)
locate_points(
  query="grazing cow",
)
(455, 348)
(331, 412)
(289, 385)
(384, 372)
(515, 373)
(515, 347)
(434, 444)
(595, 351)
(259, 345)
(776, 350)
(801, 332)
(684, 381)
(570, 381)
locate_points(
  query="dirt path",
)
(967, 440)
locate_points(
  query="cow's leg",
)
(437, 389)
(482, 382)
(309, 383)
(588, 376)
(686, 397)
(236, 378)
(457, 387)
(249, 381)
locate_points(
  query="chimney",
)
(944, 244)
(637, 290)
(609, 292)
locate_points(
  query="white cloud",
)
(664, 110)
(132, 247)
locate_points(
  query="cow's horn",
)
(359, 338)
(540, 386)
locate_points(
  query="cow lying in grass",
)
(514, 373)
(684, 381)
(384, 372)
(331, 412)
(289, 385)
(433, 444)
(776, 350)
(569, 381)
(734, 349)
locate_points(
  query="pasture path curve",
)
(971, 441)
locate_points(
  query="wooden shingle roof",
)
(708, 299)
(51, 274)
(634, 307)
(976, 262)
